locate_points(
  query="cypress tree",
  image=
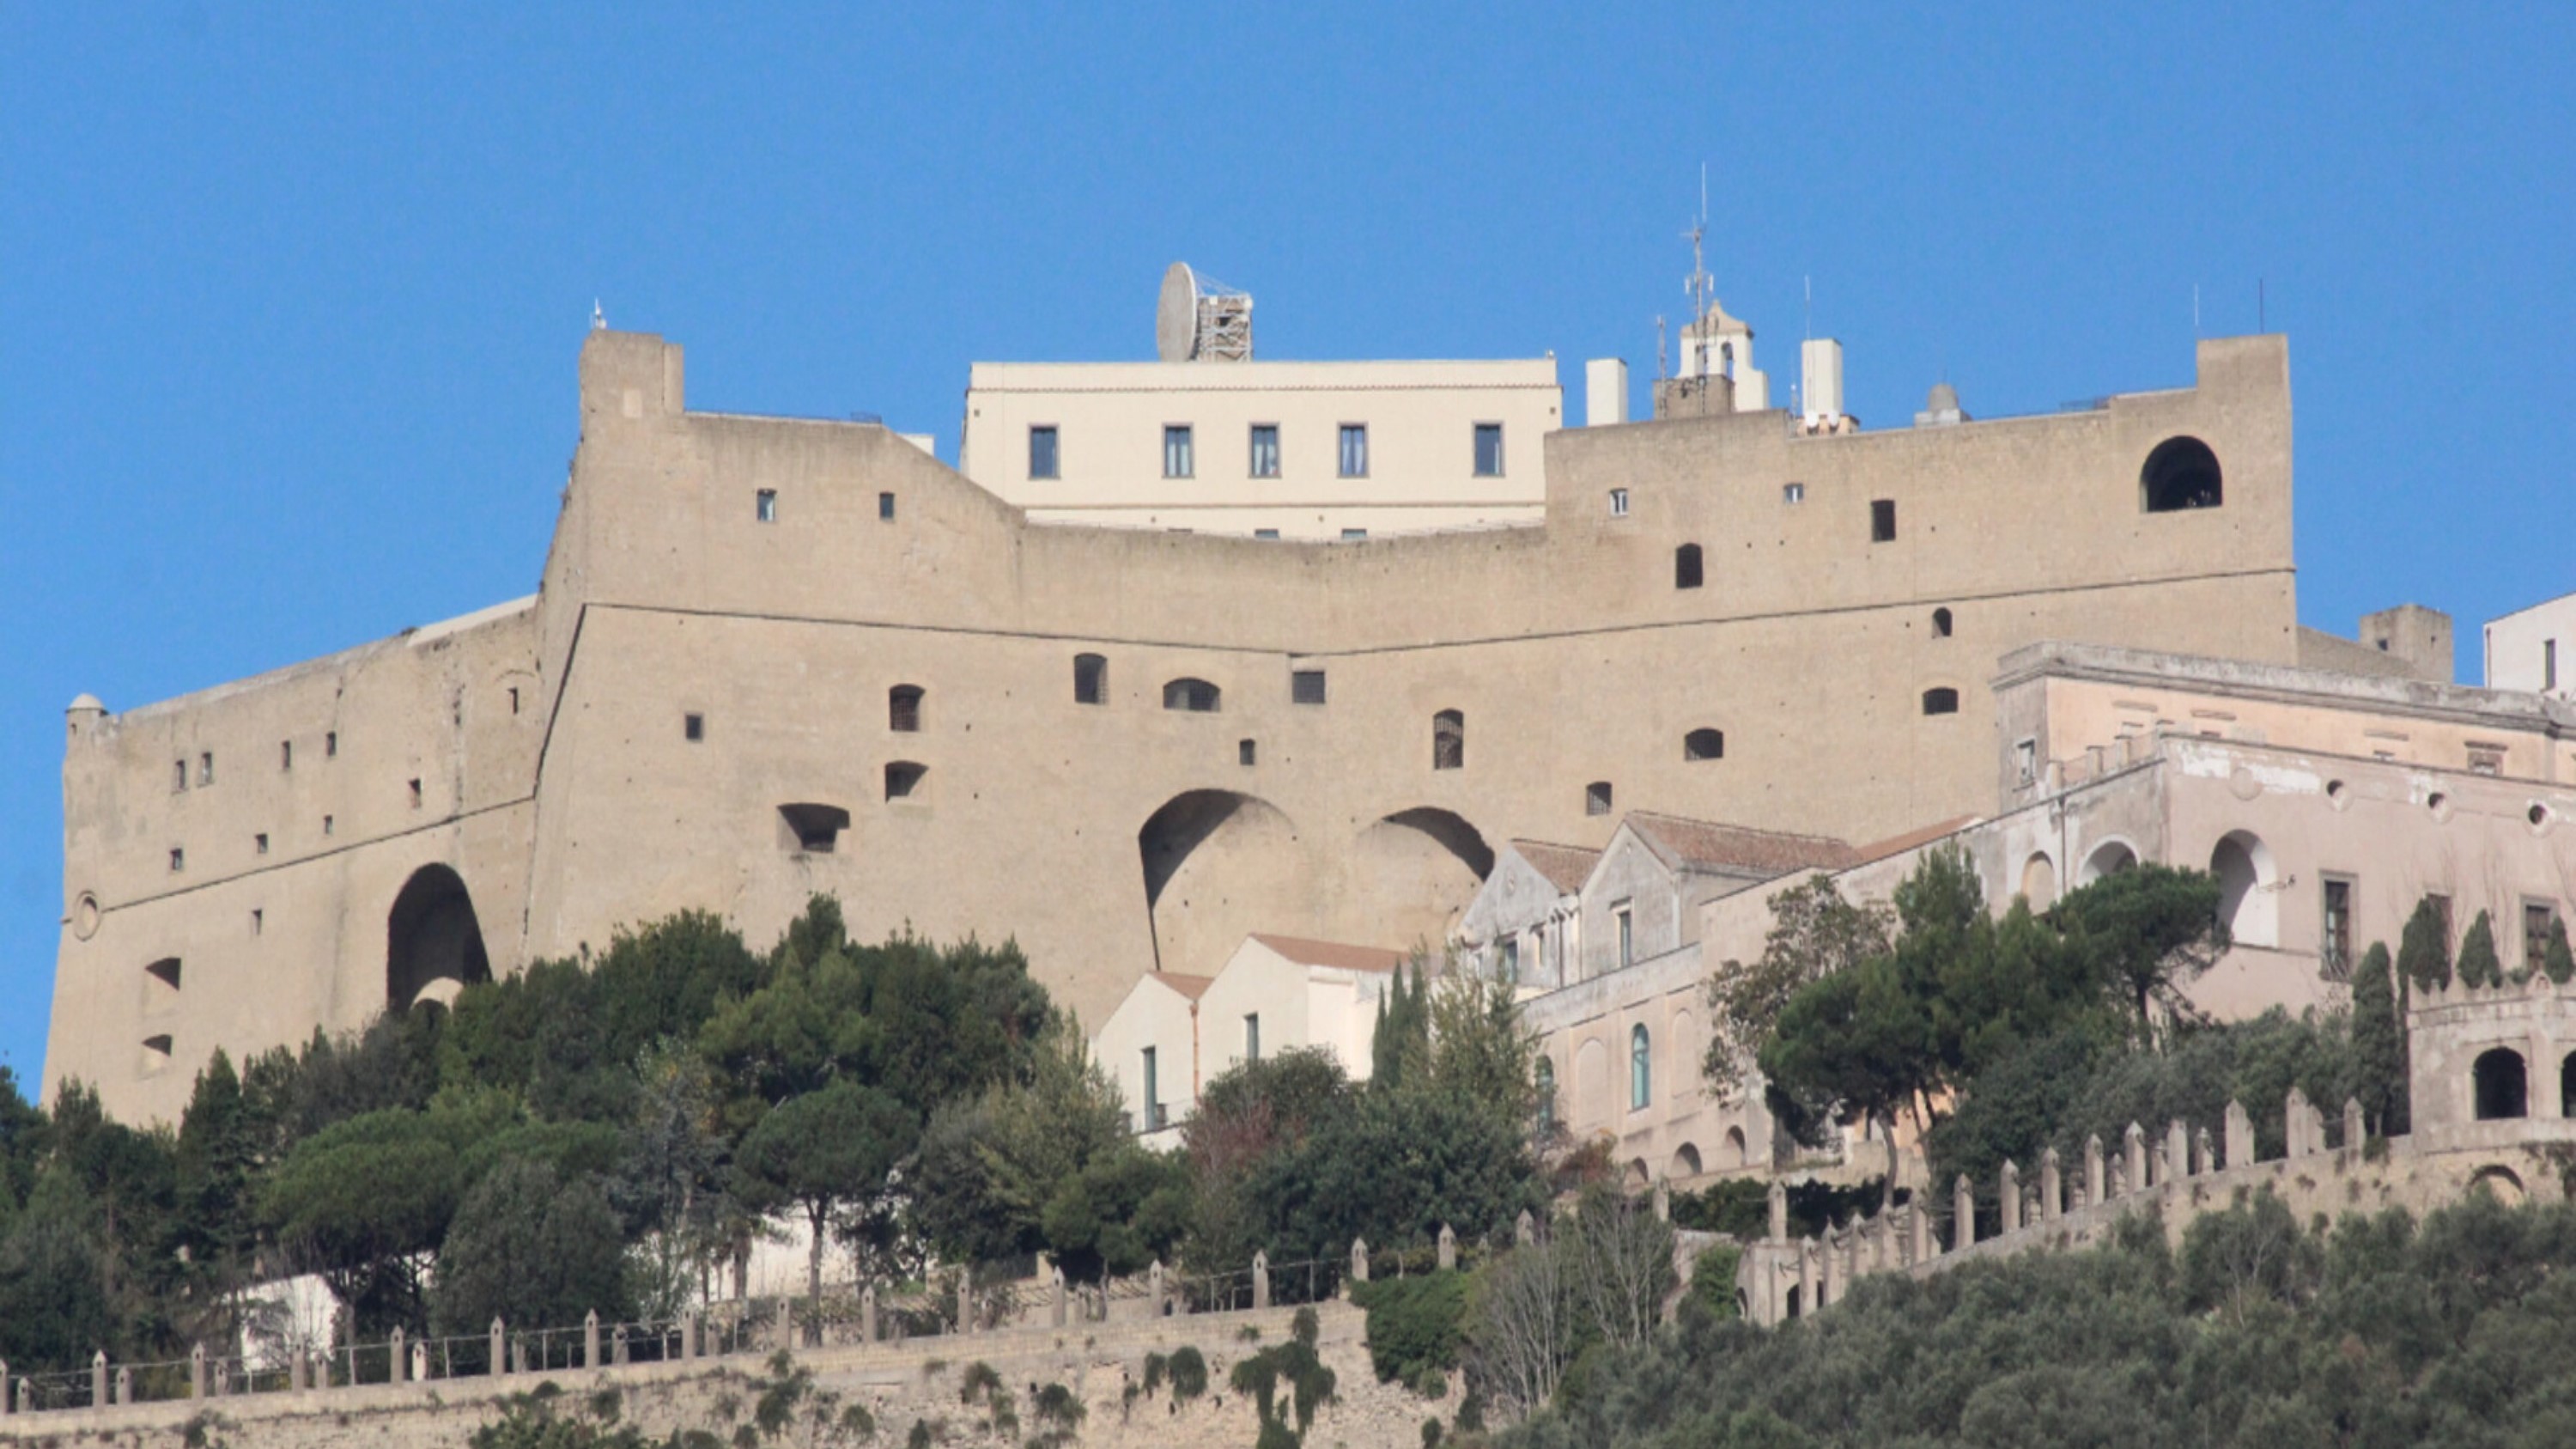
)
(2423, 955)
(2479, 965)
(2379, 1042)
(2558, 961)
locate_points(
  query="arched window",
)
(903, 779)
(1940, 623)
(2181, 473)
(903, 709)
(1941, 699)
(1544, 1076)
(1448, 740)
(2502, 1090)
(2248, 895)
(1090, 679)
(1641, 1068)
(1704, 744)
(2567, 1086)
(1196, 696)
(1686, 569)
(1596, 798)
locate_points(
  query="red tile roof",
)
(1566, 867)
(1332, 953)
(1192, 987)
(1706, 845)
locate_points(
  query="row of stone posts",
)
(1902, 1237)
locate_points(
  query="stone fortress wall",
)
(730, 600)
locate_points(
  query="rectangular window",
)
(2549, 664)
(2486, 760)
(885, 507)
(1793, 492)
(259, 843)
(178, 859)
(2026, 760)
(286, 754)
(326, 824)
(1353, 535)
(1354, 458)
(1265, 533)
(1489, 450)
(1252, 1036)
(514, 699)
(1627, 919)
(1265, 450)
(1882, 520)
(693, 727)
(1042, 458)
(2334, 944)
(415, 794)
(331, 745)
(206, 769)
(258, 920)
(2537, 917)
(1246, 752)
(1306, 686)
(764, 506)
(1507, 960)
(178, 775)
(1153, 1114)
(1618, 503)
(1177, 462)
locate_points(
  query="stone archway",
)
(1218, 865)
(433, 943)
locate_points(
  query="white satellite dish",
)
(1176, 316)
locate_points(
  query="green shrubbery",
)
(1415, 1327)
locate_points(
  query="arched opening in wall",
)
(1704, 744)
(155, 1057)
(1940, 623)
(1193, 696)
(903, 709)
(1591, 1084)
(1090, 679)
(2039, 881)
(1416, 870)
(2109, 858)
(1735, 1148)
(2249, 905)
(2502, 1090)
(1794, 1304)
(904, 780)
(1685, 1163)
(433, 944)
(2567, 1086)
(1449, 740)
(1686, 566)
(1641, 1068)
(2500, 1181)
(1941, 699)
(1596, 798)
(810, 828)
(2181, 473)
(1637, 1178)
(1215, 862)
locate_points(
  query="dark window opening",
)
(286, 754)
(1179, 456)
(2537, 919)
(2503, 1089)
(178, 775)
(258, 920)
(903, 709)
(1265, 450)
(331, 745)
(813, 829)
(1686, 566)
(1353, 535)
(415, 794)
(1618, 503)
(178, 858)
(326, 824)
(1448, 740)
(885, 507)
(1196, 696)
(764, 506)
(903, 779)
(2181, 473)
(1882, 520)
(1042, 455)
(1090, 679)
(166, 971)
(2334, 943)
(1596, 798)
(1243, 752)
(1940, 623)
(206, 769)
(693, 727)
(259, 843)
(1489, 450)
(514, 699)
(1704, 744)
(1941, 700)
(1265, 533)
(1306, 686)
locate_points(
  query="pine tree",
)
(2424, 952)
(2379, 1042)
(2479, 965)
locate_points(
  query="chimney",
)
(1820, 391)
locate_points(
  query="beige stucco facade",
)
(731, 603)
(1418, 468)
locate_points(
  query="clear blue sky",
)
(290, 294)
